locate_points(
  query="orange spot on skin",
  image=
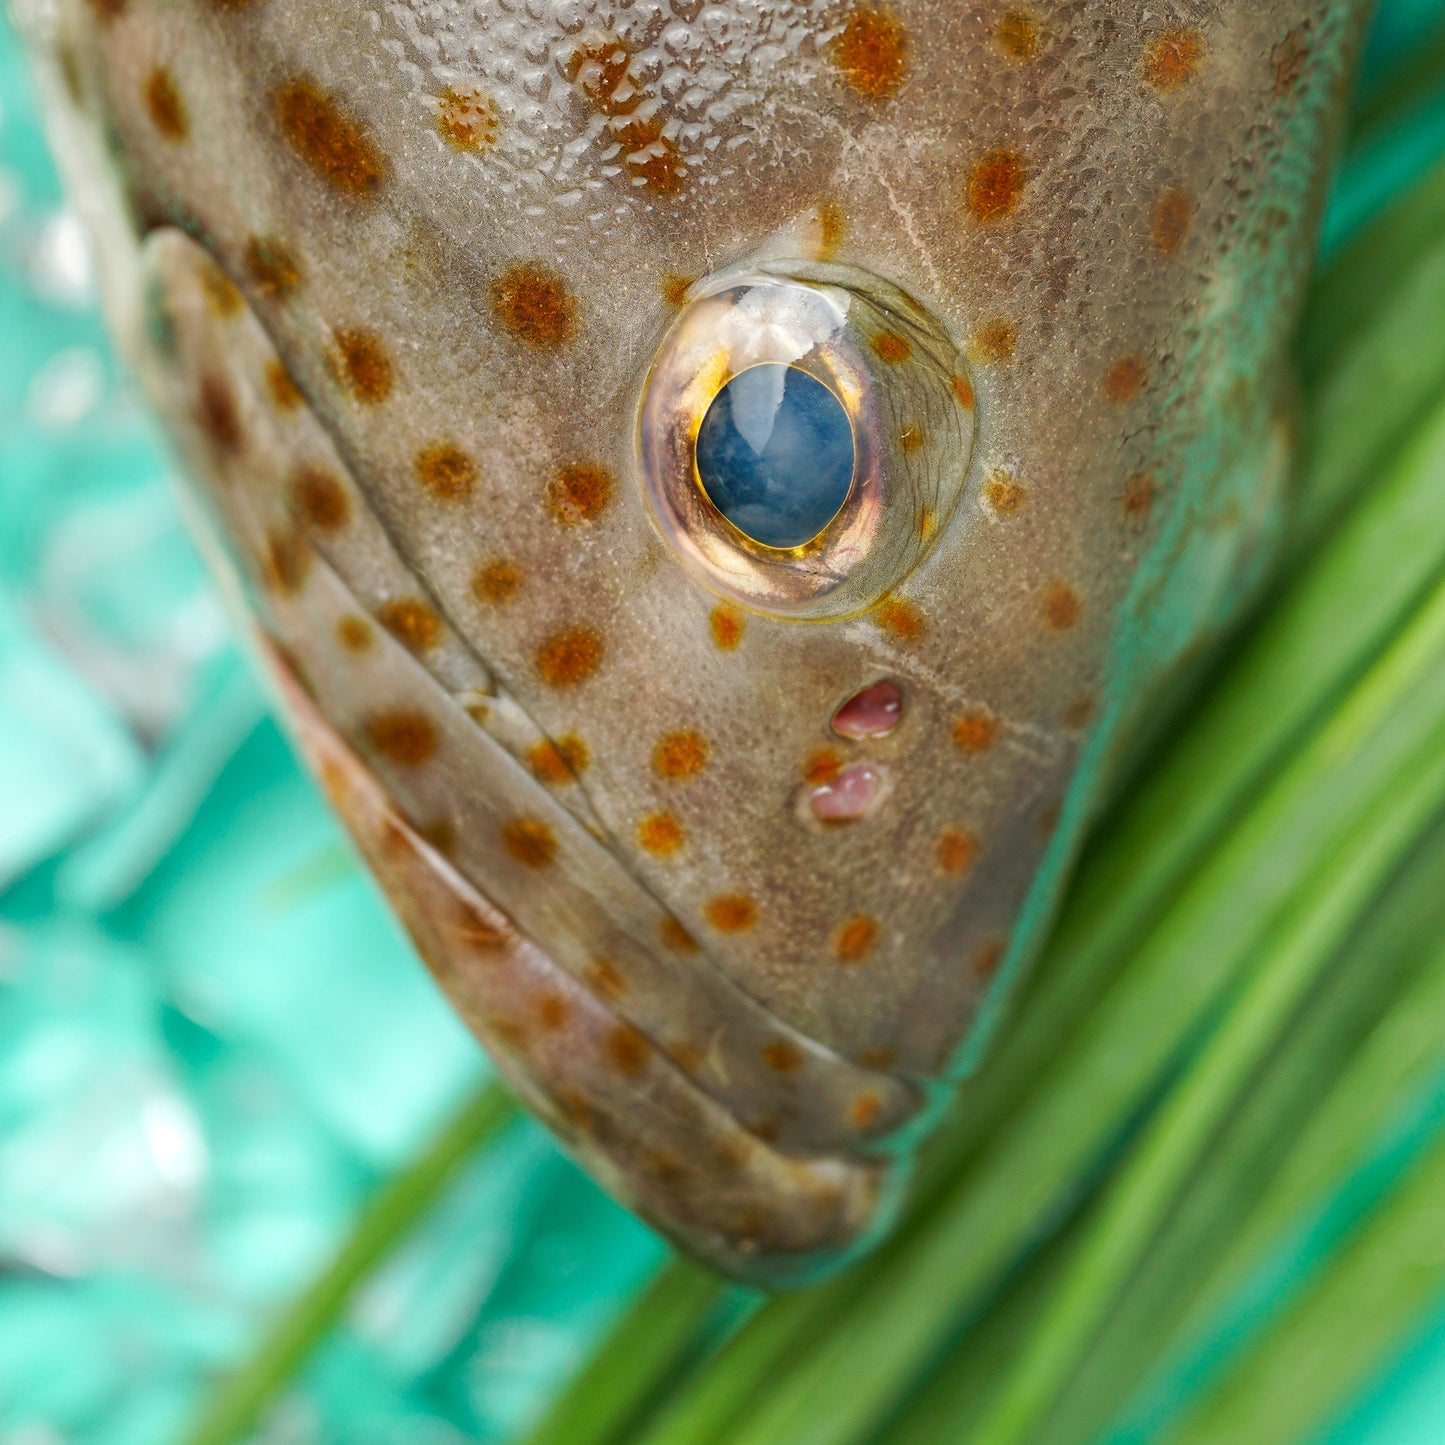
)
(676, 937)
(477, 932)
(871, 52)
(994, 340)
(221, 292)
(627, 1050)
(976, 730)
(660, 834)
(604, 979)
(363, 366)
(956, 851)
(530, 841)
(1288, 60)
(879, 1058)
(832, 227)
(326, 140)
(911, 440)
(963, 390)
(553, 1012)
(271, 267)
(783, 1056)
(1169, 224)
(675, 287)
(687, 1056)
(652, 159)
(1004, 494)
(558, 762)
(569, 657)
(681, 754)
(107, 9)
(1125, 380)
(412, 623)
(446, 471)
(1079, 711)
(1138, 496)
(318, 499)
(731, 912)
(900, 619)
(602, 71)
(1173, 59)
(996, 185)
(495, 582)
(726, 624)
(164, 105)
(532, 303)
(442, 835)
(286, 562)
(986, 961)
(283, 391)
(354, 633)
(1061, 607)
(927, 522)
(856, 939)
(1018, 35)
(403, 736)
(216, 415)
(466, 118)
(864, 1111)
(579, 493)
(822, 767)
(892, 347)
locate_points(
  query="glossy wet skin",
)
(454, 243)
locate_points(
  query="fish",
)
(719, 489)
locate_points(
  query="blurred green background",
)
(214, 1042)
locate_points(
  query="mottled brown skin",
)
(573, 765)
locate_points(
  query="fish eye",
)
(804, 435)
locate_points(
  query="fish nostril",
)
(872, 713)
(851, 795)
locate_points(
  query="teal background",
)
(213, 1040)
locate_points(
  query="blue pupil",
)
(775, 454)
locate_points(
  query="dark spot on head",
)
(681, 754)
(1172, 60)
(331, 144)
(600, 70)
(1169, 224)
(530, 841)
(660, 834)
(676, 937)
(354, 633)
(1125, 380)
(412, 622)
(363, 366)
(441, 834)
(107, 9)
(900, 619)
(496, 582)
(284, 393)
(579, 493)
(892, 347)
(976, 730)
(956, 850)
(1061, 607)
(319, 499)
(675, 287)
(996, 184)
(403, 736)
(1018, 35)
(731, 912)
(726, 624)
(446, 471)
(994, 340)
(988, 958)
(466, 118)
(1138, 496)
(784, 1056)
(1004, 493)
(628, 1050)
(1288, 60)
(532, 303)
(286, 562)
(271, 267)
(164, 105)
(856, 939)
(216, 414)
(871, 52)
(570, 656)
(1079, 711)
(552, 1011)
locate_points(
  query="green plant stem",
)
(238, 1405)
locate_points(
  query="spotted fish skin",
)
(395, 275)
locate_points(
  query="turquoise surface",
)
(213, 1040)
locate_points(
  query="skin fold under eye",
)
(804, 436)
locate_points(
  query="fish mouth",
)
(639, 1121)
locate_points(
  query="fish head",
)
(716, 483)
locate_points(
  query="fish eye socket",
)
(775, 455)
(804, 436)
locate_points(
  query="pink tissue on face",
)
(849, 796)
(872, 713)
